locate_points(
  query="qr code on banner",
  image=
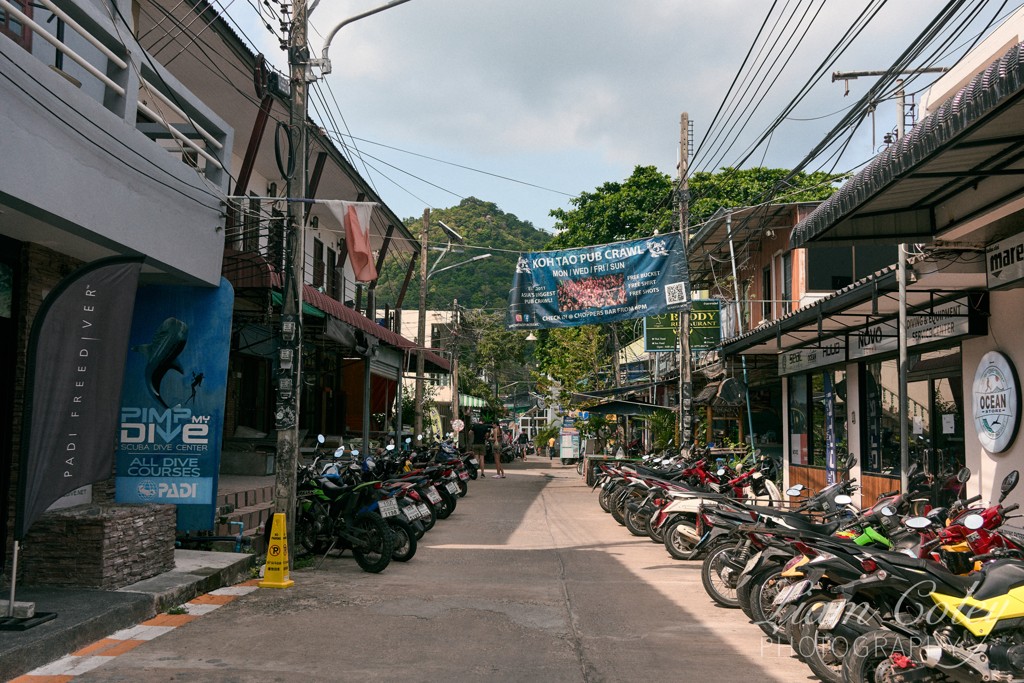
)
(675, 293)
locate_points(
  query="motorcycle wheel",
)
(655, 533)
(766, 586)
(463, 488)
(677, 545)
(405, 540)
(447, 505)
(306, 531)
(636, 522)
(824, 657)
(604, 499)
(373, 554)
(579, 467)
(718, 589)
(870, 657)
(473, 473)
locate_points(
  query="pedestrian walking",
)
(551, 448)
(496, 442)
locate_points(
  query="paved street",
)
(528, 580)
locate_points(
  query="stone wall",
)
(99, 546)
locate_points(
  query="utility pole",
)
(455, 364)
(421, 322)
(289, 378)
(685, 376)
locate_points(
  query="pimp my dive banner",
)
(172, 403)
(599, 284)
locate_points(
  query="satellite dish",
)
(451, 234)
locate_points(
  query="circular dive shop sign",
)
(996, 398)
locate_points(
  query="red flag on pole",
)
(355, 217)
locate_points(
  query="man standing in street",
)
(551, 448)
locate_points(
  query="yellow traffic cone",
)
(276, 573)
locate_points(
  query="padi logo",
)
(146, 489)
(522, 265)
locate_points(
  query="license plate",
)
(830, 617)
(791, 593)
(424, 510)
(411, 512)
(452, 487)
(463, 476)
(433, 496)
(474, 462)
(388, 507)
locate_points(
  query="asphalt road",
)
(527, 581)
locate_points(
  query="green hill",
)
(480, 284)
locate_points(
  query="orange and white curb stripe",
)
(126, 640)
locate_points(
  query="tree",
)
(575, 359)
(616, 211)
(644, 202)
(486, 347)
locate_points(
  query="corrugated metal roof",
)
(919, 186)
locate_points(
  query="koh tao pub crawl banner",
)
(172, 403)
(599, 284)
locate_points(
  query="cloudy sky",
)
(565, 95)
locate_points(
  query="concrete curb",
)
(85, 616)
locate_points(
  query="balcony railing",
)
(99, 57)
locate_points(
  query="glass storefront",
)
(817, 417)
(935, 414)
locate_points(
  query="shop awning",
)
(872, 302)
(958, 168)
(246, 270)
(471, 402)
(628, 408)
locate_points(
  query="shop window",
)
(14, 29)
(881, 418)
(832, 268)
(935, 414)
(817, 417)
(799, 441)
(787, 282)
(318, 263)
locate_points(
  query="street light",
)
(421, 323)
(300, 67)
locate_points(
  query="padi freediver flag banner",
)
(172, 404)
(75, 362)
(599, 284)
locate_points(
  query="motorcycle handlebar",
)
(1010, 508)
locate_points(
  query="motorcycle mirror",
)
(974, 522)
(419, 437)
(721, 472)
(1009, 483)
(408, 439)
(963, 475)
(887, 511)
(851, 462)
(842, 499)
(320, 439)
(355, 451)
(918, 522)
(390, 447)
(795, 490)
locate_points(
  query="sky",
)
(561, 96)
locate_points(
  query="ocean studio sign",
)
(996, 399)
